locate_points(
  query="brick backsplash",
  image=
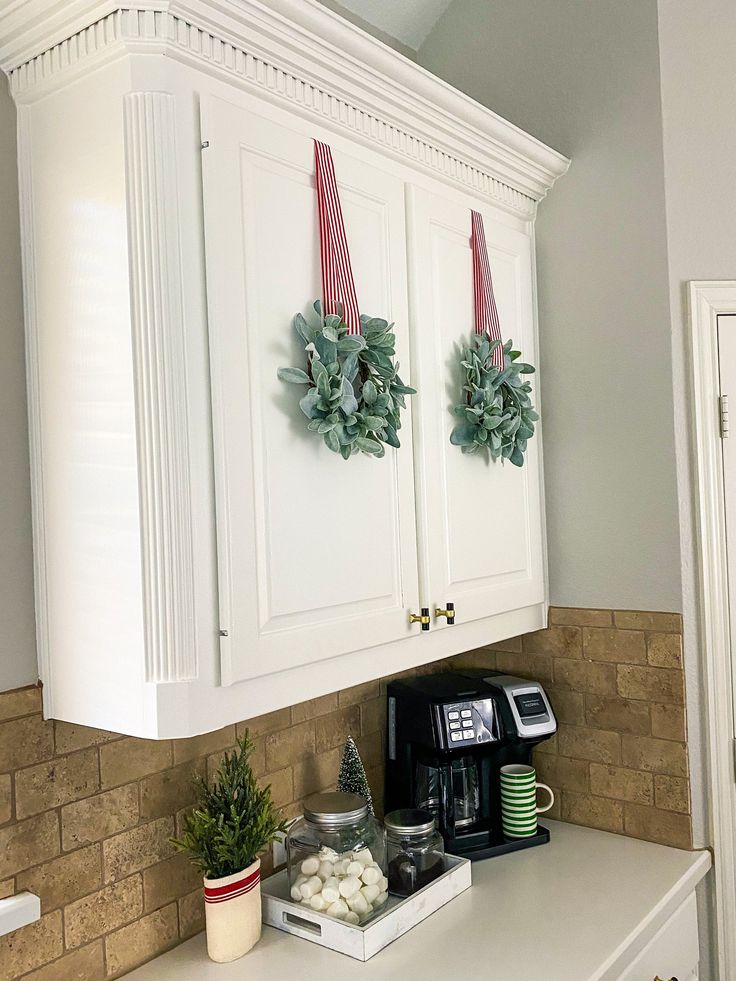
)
(86, 815)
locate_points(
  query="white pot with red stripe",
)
(232, 907)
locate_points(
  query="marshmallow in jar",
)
(337, 858)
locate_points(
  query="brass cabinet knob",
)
(673, 978)
(449, 613)
(422, 618)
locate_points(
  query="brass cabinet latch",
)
(422, 618)
(449, 613)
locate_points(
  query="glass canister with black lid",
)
(336, 858)
(415, 851)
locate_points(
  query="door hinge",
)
(723, 408)
(204, 144)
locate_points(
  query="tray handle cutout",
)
(302, 924)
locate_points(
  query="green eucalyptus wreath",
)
(497, 413)
(355, 392)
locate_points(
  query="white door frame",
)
(709, 300)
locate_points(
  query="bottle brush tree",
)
(351, 777)
(234, 819)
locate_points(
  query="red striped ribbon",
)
(486, 312)
(338, 286)
(220, 894)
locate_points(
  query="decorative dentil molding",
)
(477, 150)
(160, 382)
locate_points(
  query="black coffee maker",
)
(448, 736)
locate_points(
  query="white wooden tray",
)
(362, 942)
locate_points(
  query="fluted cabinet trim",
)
(160, 380)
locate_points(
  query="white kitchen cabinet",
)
(194, 564)
(481, 522)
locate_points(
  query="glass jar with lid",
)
(415, 851)
(336, 858)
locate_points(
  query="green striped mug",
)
(519, 800)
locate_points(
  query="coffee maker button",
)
(466, 713)
(454, 736)
(468, 734)
(453, 715)
(454, 725)
(467, 723)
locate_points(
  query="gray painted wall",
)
(584, 78)
(17, 627)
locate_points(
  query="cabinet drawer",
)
(672, 952)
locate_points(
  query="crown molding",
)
(288, 46)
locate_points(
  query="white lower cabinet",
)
(200, 557)
(673, 953)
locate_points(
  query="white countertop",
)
(565, 911)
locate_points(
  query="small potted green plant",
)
(233, 822)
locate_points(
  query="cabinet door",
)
(481, 524)
(317, 555)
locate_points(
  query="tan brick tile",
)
(360, 693)
(270, 722)
(640, 620)
(665, 650)
(314, 707)
(589, 744)
(672, 793)
(650, 684)
(6, 798)
(290, 745)
(24, 742)
(166, 792)
(28, 843)
(7, 888)
(316, 773)
(84, 964)
(69, 738)
(370, 748)
(204, 745)
(511, 644)
(33, 945)
(568, 706)
(99, 817)
(59, 781)
(482, 658)
(565, 616)
(655, 755)
(142, 940)
(585, 676)
(668, 722)
(282, 785)
(103, 911)
(136, 849)
(617, 714)
(64, 880)
(621, 783)
(549, 746)
(592, 812)
(130, 759)
(373, 716)
(191, 914)
(19, 702)
(617, 646)
(556, 641)
(333, 729)
(652, 824)
(562, 773)
(526, 665)
(169, 880)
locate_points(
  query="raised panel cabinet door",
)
(317, 555)
(481, 527)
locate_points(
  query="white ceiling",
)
(409, 21)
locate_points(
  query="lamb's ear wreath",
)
(496, 410)
(355, 393)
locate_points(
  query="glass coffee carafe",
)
(450, 791)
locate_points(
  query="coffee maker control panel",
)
(470, 723)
